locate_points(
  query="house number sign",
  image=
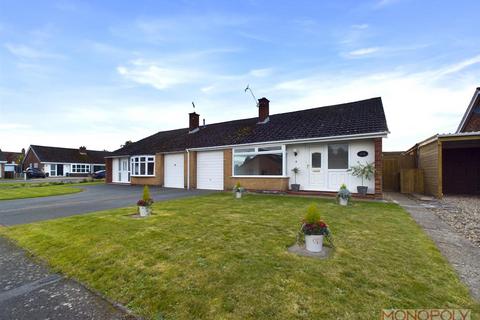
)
(362, 154)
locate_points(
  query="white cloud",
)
(155, 75)
(260, 73)
(363, 51)
(24, 51)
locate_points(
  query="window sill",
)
(142, 176)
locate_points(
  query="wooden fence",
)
(393, 163)
(411, 181)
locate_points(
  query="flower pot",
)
(238, 194)
(362, 190)
(143, 211)
(295, 187)
(343, 202)
(314, 243)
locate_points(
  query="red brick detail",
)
(378, 168)
(108, 170)
(473, 124)
(263, 109)
(194, 120)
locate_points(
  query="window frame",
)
(348, 157)
(73, 168)
(282, 150)
(146, 161)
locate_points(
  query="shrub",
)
(146, 193)
(343, 193)
(313, 214)
(146, 200)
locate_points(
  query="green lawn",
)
(215, 257)
(10, 191)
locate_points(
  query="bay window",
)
(259, 161)
(143, 166)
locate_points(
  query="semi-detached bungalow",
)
(61, 162)
(260, 153)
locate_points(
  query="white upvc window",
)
(80, 168)
(143, 166)
(262, 161)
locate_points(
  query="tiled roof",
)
(360, 117)
(66, 155)
(2, 156)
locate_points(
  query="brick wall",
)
(193, 169)
(108, 170)
(473, 124)
(378, 168)
(31, 158)
(271, 184)
(158, 180)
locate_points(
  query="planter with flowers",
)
(145, 204)
(238, 190)
(343, 195)
(314, 229)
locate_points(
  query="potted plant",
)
(343, 195)
(294, 186)
(365, 172)
(145, 204)
(238, 190)
(314, 229)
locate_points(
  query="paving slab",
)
(459, 251)
(29, 290)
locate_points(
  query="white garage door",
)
(174, 170)
(210, 170)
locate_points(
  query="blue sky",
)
(102, 72)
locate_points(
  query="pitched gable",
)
(471, 119)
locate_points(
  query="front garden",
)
(217, 257)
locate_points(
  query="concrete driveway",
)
(93, 198)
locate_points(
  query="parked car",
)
(100, 174)
(35, 173)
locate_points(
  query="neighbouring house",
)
(451, 162)
(58, 162)
(3, 161)
(260, 153)
(10, 164)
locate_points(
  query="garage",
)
(461, 167)
(174, 170)
(210, 170)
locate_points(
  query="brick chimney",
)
(83, 150)
(194, 121)
(263, 109)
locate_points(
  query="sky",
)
(99, 73)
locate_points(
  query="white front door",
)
(121, 170)
(210, 170)
(316, 168)
(174, 175)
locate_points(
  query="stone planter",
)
(362, 190)
(143, 211)
(295, 187)
(343, 202)
(314, 243)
